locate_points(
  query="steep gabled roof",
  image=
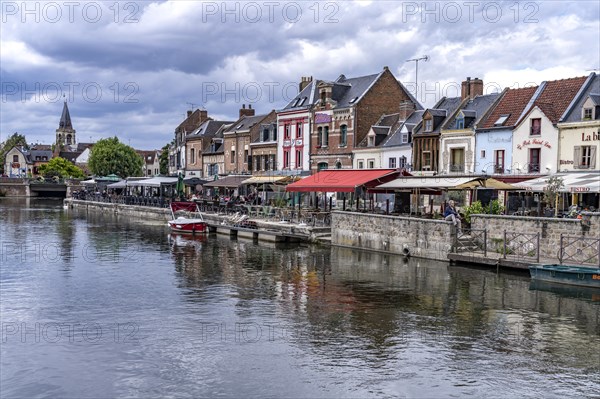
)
(473, 109)
(591, 89)
(557, 95)
(348, 92)
(512, 103)
(395, 138)
(306, 98)
(440, 111)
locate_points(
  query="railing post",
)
(485, 243)
(387, 206)
(504, 243)
(538, 247)
(344, 203)
(560, 251)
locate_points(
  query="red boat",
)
(183, 224)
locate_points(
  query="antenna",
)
(416, 61)
(192, 105)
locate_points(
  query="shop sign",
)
(526, 143)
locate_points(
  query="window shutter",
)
(593, 157)
(577, 157)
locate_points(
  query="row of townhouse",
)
(372, 121)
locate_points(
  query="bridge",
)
(23, 187)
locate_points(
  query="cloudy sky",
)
(132, 69)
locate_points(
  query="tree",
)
(110, 156)
(164, 160)
(554, 184)
(16, 140)
(60, 167)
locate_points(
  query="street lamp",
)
(416, 61)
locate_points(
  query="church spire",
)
(65, 119)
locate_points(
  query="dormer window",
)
(371, 140)
(588, 114)
(460, 122)
(428, 125)
(404, 137)
(296, 102)
(323, 97)
(265, 134)
(303, 101)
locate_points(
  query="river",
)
(96, 306)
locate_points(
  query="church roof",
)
(65, 118)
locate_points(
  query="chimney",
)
(471, 88)
(476, 87)
(246, 111)
(189, 113)
(304, 81)
(203, 115)
(406, 109)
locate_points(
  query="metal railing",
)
(472, 241)
(522, 246)
(579, 250)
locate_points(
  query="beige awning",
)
(443, 182)
(487, 183)
(264, 179)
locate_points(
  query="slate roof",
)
(207, 129)
(441, 111)
(382, 128)
(309, 92)
(65, 118)
(513, 104)
(591, 90)
(82, 146)
(34, 154)
(69, 155)
(473, 110)
(145, 154)
(557, 95)
(348, 89)
(395, 138)
(245, 123)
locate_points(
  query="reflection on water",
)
(100, 305)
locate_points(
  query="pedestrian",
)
(450, 214)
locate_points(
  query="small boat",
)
(183, 224)
(567, 274)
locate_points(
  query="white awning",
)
(153, 182)
(119, 184)
(424, 182)
(574, 182)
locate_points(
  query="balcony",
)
(457, 168)
(499, 169)
(533, 168)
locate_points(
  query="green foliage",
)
(554, 184)
(164, 160)
(62, 168)
(16, 140)
(110, 156)
(493, 208)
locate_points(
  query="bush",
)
(493, 208)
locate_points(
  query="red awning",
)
(343, 180)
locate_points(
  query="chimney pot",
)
(189, 113)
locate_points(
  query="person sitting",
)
(450, 214)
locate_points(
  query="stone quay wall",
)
(14, 187)
(423, 238)
(549, 229)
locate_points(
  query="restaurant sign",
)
(580, 189)
(526, 143)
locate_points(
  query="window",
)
(499, 161)
(322, 165)
(536, 127)
(343, 135)
(319, 136)
(246, 156)
(69, 138)
(460, 122)
(371, 163)
(298, 159)
(299, 130)
(272, 162)
(426, 160)
(303, 101)
(192, 156)
(587, 113)
(361, 165)
(15, 158)
(501, 120)
(404, 137)
(286, 134)
(457, 160)
(482, 153)
(353, 100)
(428, 125)
(534, 160)
(371, 140)
(265, 134)
(585, 157)
(149, 172)
(286, 159)
(392, 163)
(402, 162)
(326, 136)
(323, 98)
(338, 165)
(273, 133)
(232, 156)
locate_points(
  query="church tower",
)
(65, 134)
